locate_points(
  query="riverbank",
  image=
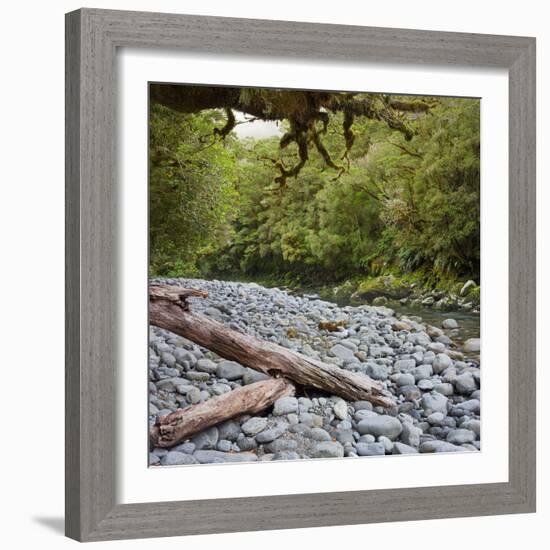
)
(410, 291)
(432, 376)
(404, 291)
(459, 300)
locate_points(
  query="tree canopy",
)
(307, 114)
(357, 184)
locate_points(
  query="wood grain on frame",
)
(92, 37)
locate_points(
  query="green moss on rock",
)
(387, 286)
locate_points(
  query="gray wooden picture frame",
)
(92, 39)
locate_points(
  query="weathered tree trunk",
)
(168, 309)
(254, 398)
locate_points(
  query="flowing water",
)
(468, 322)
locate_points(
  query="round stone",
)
(370, 449)
(230, 370)
(175, 458)
(327, 449)
(254, 425)
(460, 436)
(472, 345)
(388, 426)
(434, 402)
(285, 405)
(441, 362)
(340, 408)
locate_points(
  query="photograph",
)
(279, 244)
(313, 274)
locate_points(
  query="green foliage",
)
(191, 189)
(431, 213)
(400, 206)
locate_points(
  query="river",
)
(468, 322)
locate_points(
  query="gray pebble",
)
(403, 379)
(473, 425)
(388, 443)
(318, 434)
(286, 455)
(362, 405)
(402, 449)
(211, 457)
(205, 365)
(153, 459)
(438, 446)
(187, 448)
(385, 425)
(370, 449)
(343, 353)
(230, 370)
(271, 434)
(198, 376)
(444, 388)
(292, 418)
(472, 345)
(175, 458)
(168, 359)
(206, 439)
(344, 436)
(281, 445)
(220, 389)
(254, 425)
(285, 405)
(340, 408)
(436, 418)
(247, 443)
(311, 419)
(160, 452)
(441, 362)
(465, 383)
(193, 395)
(422, 372)
(229, 430)
(224, 445)
(251, 376)
(460, 436)
(434, 402)
(404, 365)
(411, 435)
(425, 385)
(327, 449)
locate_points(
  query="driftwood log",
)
(168, 309)
(254, 398)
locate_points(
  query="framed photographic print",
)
(300, 275)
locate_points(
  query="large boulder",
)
(386, 287)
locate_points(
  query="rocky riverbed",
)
(432, 375)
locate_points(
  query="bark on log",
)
(168, 309)
(254, 398)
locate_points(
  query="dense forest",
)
(353, 196)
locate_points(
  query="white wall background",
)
(31, 218)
